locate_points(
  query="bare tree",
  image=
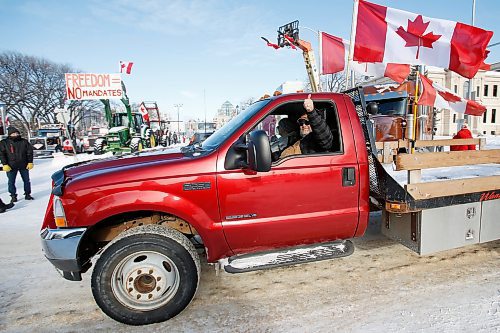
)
(333, 82)
(246, 102)
(32, 88)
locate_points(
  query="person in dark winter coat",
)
(315, 134)
(289, 134)
(16, 155)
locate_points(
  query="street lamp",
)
(178, 106)
(4, 128)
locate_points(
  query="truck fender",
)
(168, 203)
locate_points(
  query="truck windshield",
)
(392, 107)
(234, 124)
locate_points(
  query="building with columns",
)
(486, 85)
(226, 112)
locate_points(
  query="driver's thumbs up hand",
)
(308, 104)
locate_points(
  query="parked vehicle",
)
(144, 216)
(128, 131)
(198, 137)
(72, 146)
(48, 140)
(93, 134)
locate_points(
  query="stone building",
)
(486, 85)
(485, 90)
(225, 113)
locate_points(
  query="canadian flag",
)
(126, 67)
(144, 112)
(441, 98)
(389, 35)
(334, 52)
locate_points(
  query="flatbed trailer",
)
(429, 217)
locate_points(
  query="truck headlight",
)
(59, 215)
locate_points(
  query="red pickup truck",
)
(147, 216)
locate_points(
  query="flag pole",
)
(320, 50)
(415, 106)
(471, 81)
(351, 42)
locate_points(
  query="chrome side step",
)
(287, 257)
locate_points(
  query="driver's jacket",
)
(319, 140)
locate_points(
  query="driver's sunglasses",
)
(302, 122)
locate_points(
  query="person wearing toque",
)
(16, 156)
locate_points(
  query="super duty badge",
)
(196, 186)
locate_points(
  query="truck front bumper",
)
(42, 153)
(61, 249)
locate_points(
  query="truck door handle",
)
(348, 176)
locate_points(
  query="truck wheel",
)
(149, 138)
(99, 147)
(147, 275)
(152, 141)
(135, 145)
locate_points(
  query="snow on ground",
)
(382, 287)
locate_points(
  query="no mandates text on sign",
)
(84, 86)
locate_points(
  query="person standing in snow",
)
(16, 155)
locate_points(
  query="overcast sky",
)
(181, 48)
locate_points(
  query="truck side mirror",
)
(259, 151)
(254, 155)
(372, 108)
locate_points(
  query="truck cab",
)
(228, 195)
(394, 118)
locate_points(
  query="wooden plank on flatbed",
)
(446, 142)
(446, 159)
(431, 190)
(392, 144)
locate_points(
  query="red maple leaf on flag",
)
(449, 97)
(414, 35)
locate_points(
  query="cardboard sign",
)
(84, 86)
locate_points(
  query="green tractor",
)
(128, 131)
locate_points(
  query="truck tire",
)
(152, 141)
(146, 275)
(149, 138)
(135, 145)
(99, 146)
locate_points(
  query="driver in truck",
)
(315, 134)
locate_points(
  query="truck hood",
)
(74, 170)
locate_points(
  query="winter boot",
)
(13, 198)
(28, 197)
(4, 207)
